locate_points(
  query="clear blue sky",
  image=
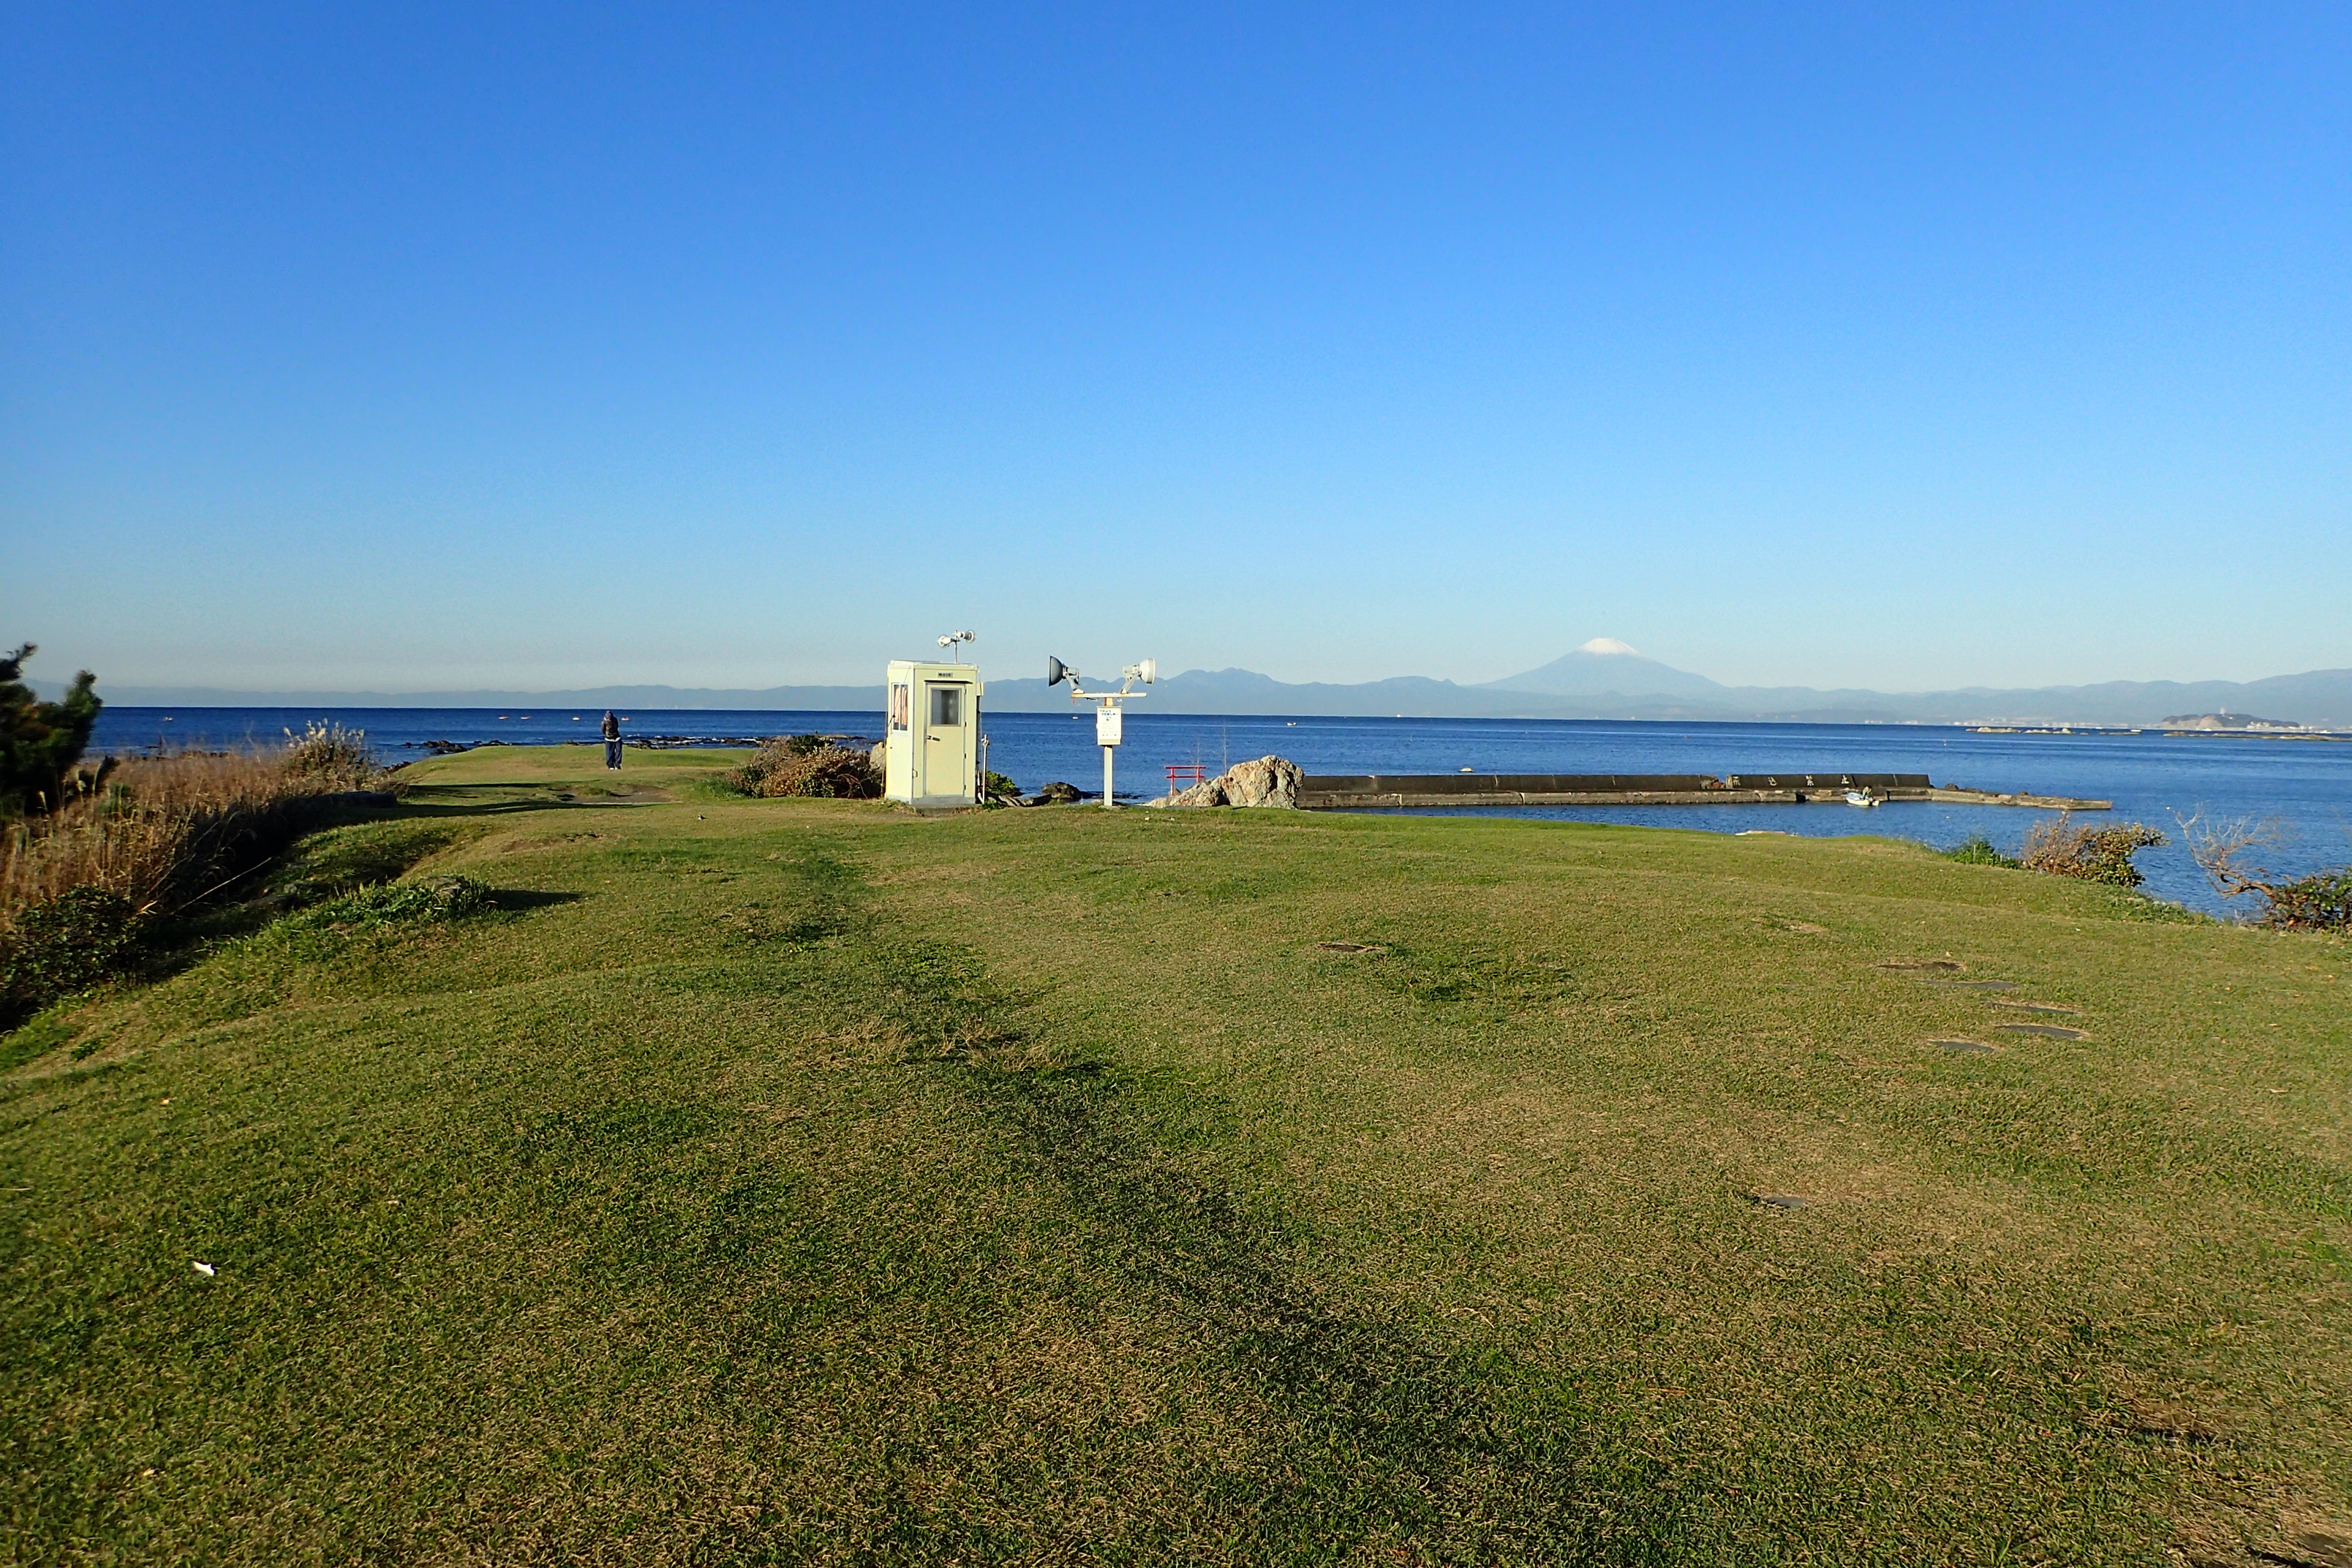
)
(415, 348)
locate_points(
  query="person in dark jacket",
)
(610, 730)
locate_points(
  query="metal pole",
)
(1108, 802)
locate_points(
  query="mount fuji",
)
(1607, 668)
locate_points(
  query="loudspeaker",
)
(1055, 670)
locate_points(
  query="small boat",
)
(1860, 798)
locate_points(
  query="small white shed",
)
(931, 747)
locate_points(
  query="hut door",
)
(947, 743)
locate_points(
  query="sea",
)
(2302, 787)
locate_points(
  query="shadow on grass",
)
(499, 799)
(461, 808)
(516, 899)
(1384, 1433)
(1379, 1432)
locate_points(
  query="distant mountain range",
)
(1603, 680)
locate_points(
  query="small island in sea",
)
(2227, 721)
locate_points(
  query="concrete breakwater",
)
(1343, 792)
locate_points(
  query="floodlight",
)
(1109, 716)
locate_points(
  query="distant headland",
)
(2230, 722)
(1604, 678)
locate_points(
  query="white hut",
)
(931, 748)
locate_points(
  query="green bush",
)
(1979, 851)
(68, 943)
(2322, 903)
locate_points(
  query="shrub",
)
(40, 741)
(1979, 851)
(997, 788)
(788, 767)
(62, 945)
(2322, 901)
(2059, 846)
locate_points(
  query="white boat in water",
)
(1860, 798)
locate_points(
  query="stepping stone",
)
(1922, 965)
(2047, 1031)
(1348, 947)
(2042, 1008)
(1780, 1201)
(1972, 984)
(1971, 1048)
(2331, 1546)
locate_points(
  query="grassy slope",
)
(812, 1182)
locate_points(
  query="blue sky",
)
(409, 348)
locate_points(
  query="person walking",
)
(610, 730)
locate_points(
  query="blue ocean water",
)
(2304, 786)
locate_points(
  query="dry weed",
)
(163, 831)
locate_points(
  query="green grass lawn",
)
(804, 1182)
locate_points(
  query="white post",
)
(1108, 803)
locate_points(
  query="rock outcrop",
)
(1264, 781)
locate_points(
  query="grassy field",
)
(806, 1182)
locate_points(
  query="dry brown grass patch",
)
(165, 828)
